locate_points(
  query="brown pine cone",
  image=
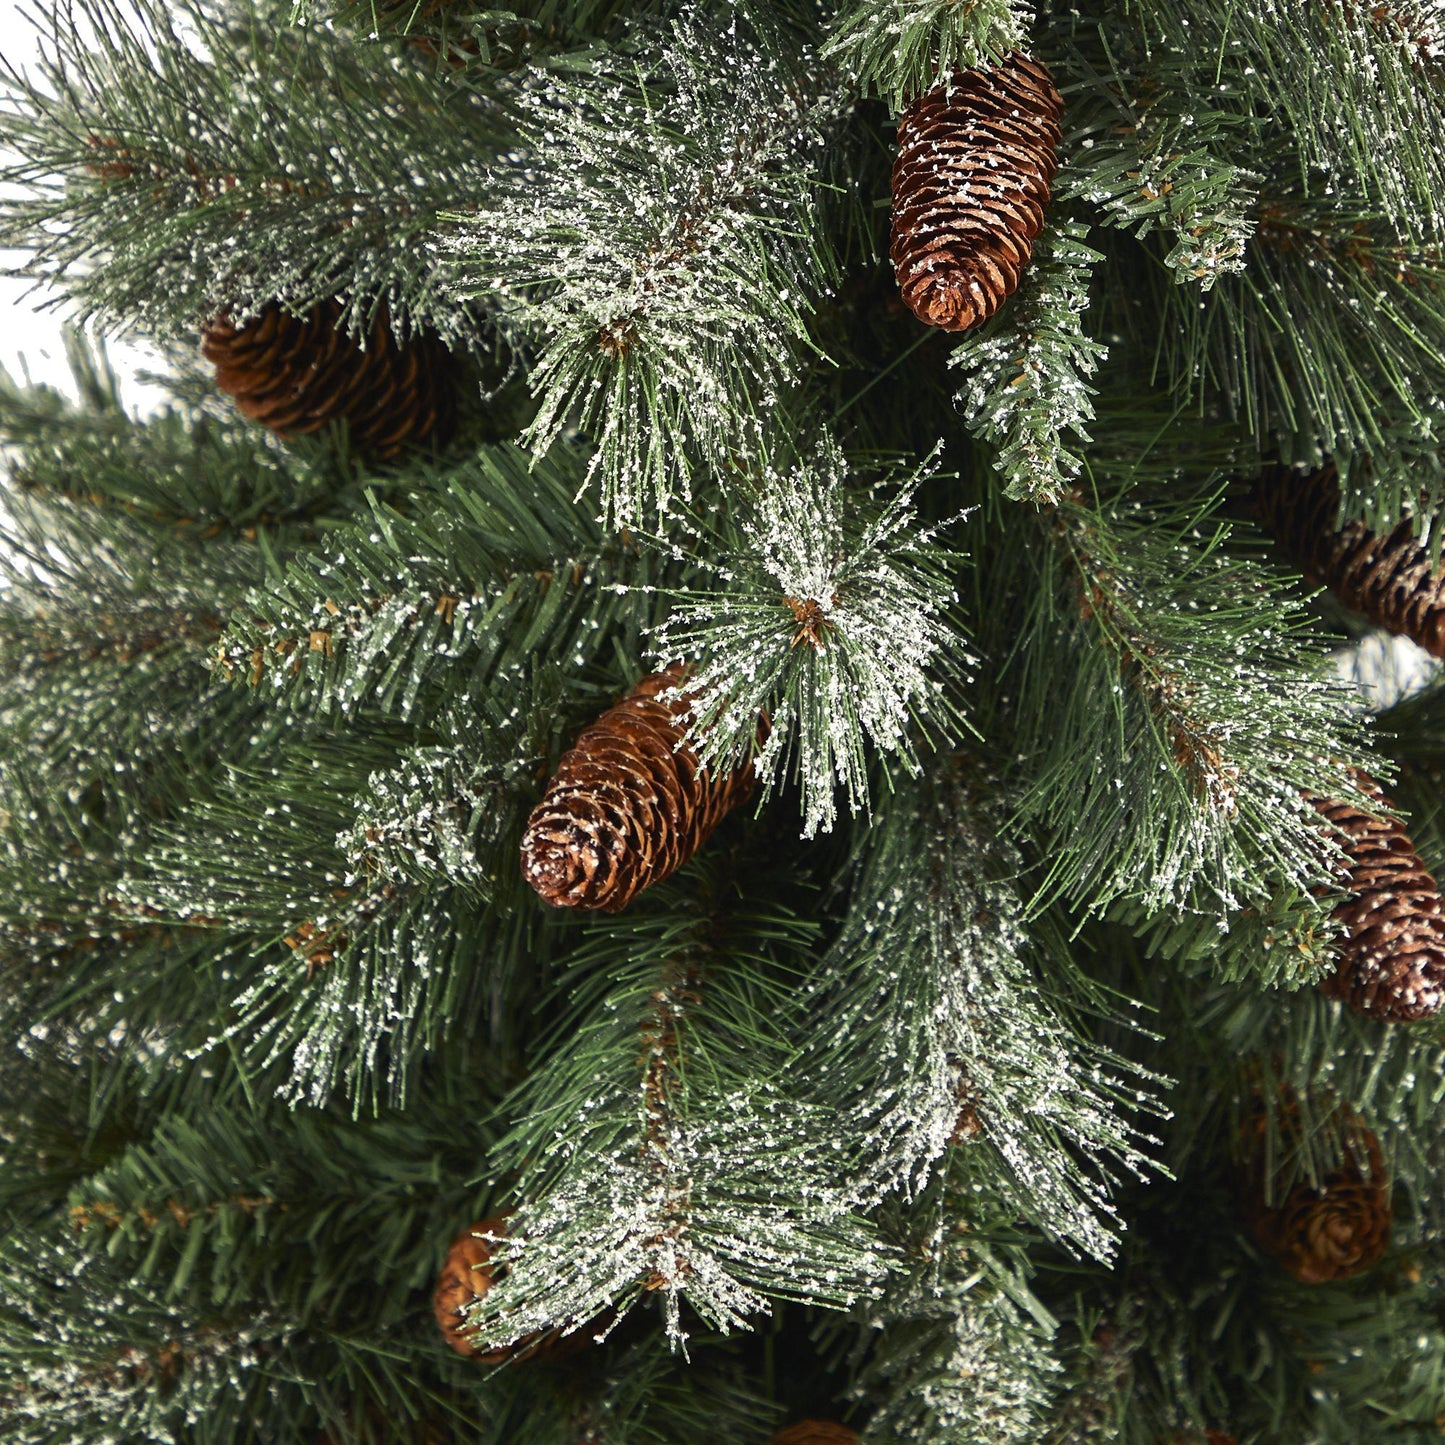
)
(1337, 1230)
(294, 374)
(970, 182)
(1392, 950)
(628, 805)
(816, 1432)
(1389, 580)
(466, 1275)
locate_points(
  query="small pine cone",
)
(294, 374)
(816, 1432)
(466, 1276)
(1390, 580)
(1392, 950)
(628, 805)
(1337, 1230)
(970, 183)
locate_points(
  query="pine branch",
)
(1026, 372)
(962, 1354)
(1152, 777)
(88, 1353)
(470, 39)
(1341, 84)
(831, 619)
(335, 1219)
(1323, 1057)
(1324, 347)
(658, 1149)
(166, 152)
(452, 814)
(943, 1028)
(338, 982)
(197, 474)
(1159, 162)
(900, 48)
(660, 242)
(483, 578)
(1098, 1369)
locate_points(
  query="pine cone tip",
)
(560, 870)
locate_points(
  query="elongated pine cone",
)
(628, 805)
(1392, 950)
(816, 1432)
(1388, 579)
(1336, 1230)
(294, 374)
(970, 182)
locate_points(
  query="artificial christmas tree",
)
(993, 1000)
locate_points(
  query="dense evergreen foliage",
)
(941, 1092)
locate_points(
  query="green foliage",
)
(693, 1172)
(204, 473)
(68, 1375)
(346, 981)
(659, 239)
(832, 609)
(463, 36)
(1220, 716)
(1338, 82)
(948, 1026)
(1148, 167)
(1027, 371)
(496, 570)
(175, 162)
(1322, 346)
(962, 1355)
(900, 48)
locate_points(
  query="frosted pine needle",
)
(658, 238)
(830, 616)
